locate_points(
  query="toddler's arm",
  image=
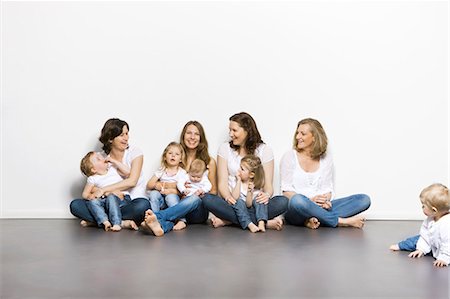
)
(87, 192)
(122, 169)
(249, 197)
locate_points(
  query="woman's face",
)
(191, 137)
(237, 134)
(305, 138)
(121, 141)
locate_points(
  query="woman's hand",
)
(230, 199)
(98, 192)
(263, 198)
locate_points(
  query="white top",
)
(244, 189)
(435, 237)
(163, 176)
(140, 189)
(309, 184)
(103, 180)
(263, 151)
(204, 184)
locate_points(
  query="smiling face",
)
(191, 137)
(121, 141)
(237, 134)
(173, 156)
(304, 137)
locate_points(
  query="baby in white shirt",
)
(196, 181)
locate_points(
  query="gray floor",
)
(59, 259)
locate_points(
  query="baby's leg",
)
(408, 244)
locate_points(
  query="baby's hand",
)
(416, 254)
(251, 186)
(439, 263)
(186, 191)
(199, 192)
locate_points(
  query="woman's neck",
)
(116, 154)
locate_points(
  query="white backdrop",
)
(374, 73)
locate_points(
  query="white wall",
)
(374, 73)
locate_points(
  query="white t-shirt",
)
(309, 184)
(163, 176)
(435, 237)
(140, 189)
(263, 151)
(101, 181)
(204, 184)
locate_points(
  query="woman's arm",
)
(152, 183)
(122, 169)
(212, 175)
(131, 180)
(222, 175)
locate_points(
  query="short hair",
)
(320, 137)
(172, 144)
(86, 164)
(202, 148)
(197, 166)
(437, 196)
(247, 122)
(255, 166)
(112, 128)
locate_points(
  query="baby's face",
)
(195, 177)
(99, 163)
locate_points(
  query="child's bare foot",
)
(355, 221)
(152, 223)
(85, 223)
(394, 247)
(262, 226)
(253, 228)
(129, 224)
(107, 225)
(116, 228)
(312, 223)
(217, 222)
(275, 223)
(179, 225)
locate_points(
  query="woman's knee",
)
(364, 201)
(298, 202)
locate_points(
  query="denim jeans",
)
(160, 201)
(302, 208)
(108, 208)
(218, 206)
(243, 215)
(168, 216)
(199, 215)
(409, 244)
(133, 210)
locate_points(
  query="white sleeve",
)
(206, 183)
(423, 244)
(181, 181)
(267, 154)
(224, 151)
(159, 173)
(287, 165)
(134, 152)
(327, 185)
(444, 250)
(91, 180)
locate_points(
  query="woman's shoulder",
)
(225, 150)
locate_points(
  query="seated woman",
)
(245, 139)
(128, 161)
(307, 180)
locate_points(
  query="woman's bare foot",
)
(275, 223)
(116, 228)
(152, 223)
(355, 221)
(85, 223)
(262, 226)
(217, 222)
(394, 247)
(179, 225)
(312, 223)
(253, 228)
(107, 225)
(129, 224)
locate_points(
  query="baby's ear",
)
(434, 209)
(93, 170)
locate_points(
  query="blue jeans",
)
(108, 208)
(197, 216)
(160, 201)
(168, 216)
(133, 210)
(409, 244)
(302, 208)
(218, 206)
(243, 215)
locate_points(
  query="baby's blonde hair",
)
(255, 166)
(436, 196)
(197, 166)
(86, 164)
(163, 157)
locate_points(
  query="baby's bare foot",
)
(130, 224)
(262, 226)
(394, 247)
(312, 223)
(116, 228)
(179, 225)
(85, 223)
(153, 224)
(253, 228)
(275, 223)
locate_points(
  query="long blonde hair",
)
(255, 166)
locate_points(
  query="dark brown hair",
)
(249, 125)
(202, 148)
(111, 129)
